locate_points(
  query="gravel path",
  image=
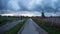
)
(30, 27)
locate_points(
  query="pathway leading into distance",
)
(30, 27)
(9, 26)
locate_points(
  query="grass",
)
(16, 28)
(47, 27)
(4, 20)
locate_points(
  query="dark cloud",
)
(29, 5)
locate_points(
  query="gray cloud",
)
(31, 6)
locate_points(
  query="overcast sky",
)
(30, 7)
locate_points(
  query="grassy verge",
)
(16, 28)
(48, 28)
(5, 20)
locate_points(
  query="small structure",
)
(43, 16)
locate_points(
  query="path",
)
(30, 27)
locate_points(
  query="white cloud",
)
(6, 14)
(54, 14)
(30, 13)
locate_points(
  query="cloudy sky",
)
(30, 7)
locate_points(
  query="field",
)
(51, 25)
(4, 20)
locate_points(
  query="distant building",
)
(43, 16)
